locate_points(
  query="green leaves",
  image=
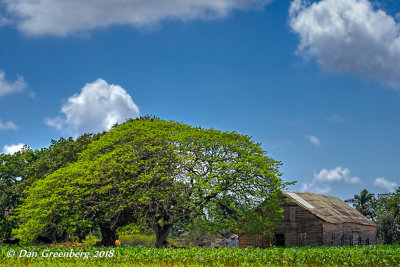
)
(363, 203)
(12, 174)
(384, 210)
(156, 173)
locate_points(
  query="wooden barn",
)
(317, 220)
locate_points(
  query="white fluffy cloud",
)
(335, 175)
(314, 140)
(61, 17)
(322, 179)
(385, 184)
(9, 125)
(98, 107)
(7, 87)
(349, 36)
(11, 149)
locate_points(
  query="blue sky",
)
(317, 83)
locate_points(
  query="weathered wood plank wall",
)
(302, 228)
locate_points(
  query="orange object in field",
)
(117, 243)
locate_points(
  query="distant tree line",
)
(384, 209)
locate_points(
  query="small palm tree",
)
(363, 201)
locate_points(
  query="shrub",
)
(138, 240)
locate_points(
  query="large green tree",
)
(157, 173)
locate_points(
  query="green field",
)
(379, 255)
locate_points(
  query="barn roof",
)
(328, 208)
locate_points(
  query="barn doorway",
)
(302, 239)
(280, 240)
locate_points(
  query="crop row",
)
(379, 255)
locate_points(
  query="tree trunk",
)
(162, 235)
(108, 235)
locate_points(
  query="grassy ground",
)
(378, 255)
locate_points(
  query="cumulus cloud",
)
(96, 108)
(7, 87)
(385, 184)
(349, 36)
(311, 187)
(11, 149)
(314, 140)
(335, 175)
(60, 17)
(9, 125)
(322, 179)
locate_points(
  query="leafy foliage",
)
(12, 173)
(155, 174)
(384, 210)
(363, 203)
(388, 217)
(20, 170)
(58, 155)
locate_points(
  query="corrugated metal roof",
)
(328, 208)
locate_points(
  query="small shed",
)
(312, 219)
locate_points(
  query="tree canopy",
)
(384, 210)
(157, 173)
(387, 210)
(12, 172)
(19, 170)
(363, 203)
